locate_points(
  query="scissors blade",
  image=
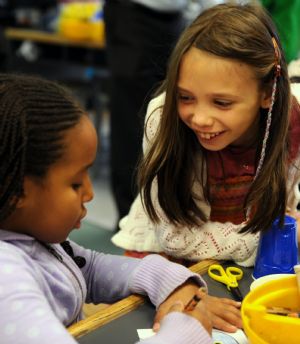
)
(236, 293)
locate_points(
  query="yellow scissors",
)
(229, 277)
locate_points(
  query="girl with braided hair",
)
(221, 144)
(47, 145)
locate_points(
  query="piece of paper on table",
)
(145, 333)
(237, 337)
(222, 337)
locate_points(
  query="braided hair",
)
(34, 114)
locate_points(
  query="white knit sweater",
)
(210, 240)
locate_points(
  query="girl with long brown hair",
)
(221, 145)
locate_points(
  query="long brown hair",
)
(243, 33)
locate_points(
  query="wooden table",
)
(139, 313)
(49, 38)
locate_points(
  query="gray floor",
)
(95, 238)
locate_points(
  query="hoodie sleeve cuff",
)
(157, 277)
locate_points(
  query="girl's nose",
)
(88, 190)
(202, 118)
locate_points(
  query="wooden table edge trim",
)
(123, 306)
(49, 38)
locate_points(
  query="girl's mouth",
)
(209, 136)
(78, 223)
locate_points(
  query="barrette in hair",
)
(277, 58)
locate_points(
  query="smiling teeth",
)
(209, 136)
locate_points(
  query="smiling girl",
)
(221, 144)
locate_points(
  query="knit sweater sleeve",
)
(211, 240)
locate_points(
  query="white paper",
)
(222, 337)
(145, 333)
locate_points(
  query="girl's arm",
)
(211, 240)
(153, 276)
(27, 316)
(110, 277)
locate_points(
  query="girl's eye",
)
(184, 98)
(222, 103)
(76, 186)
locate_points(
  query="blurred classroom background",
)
(64, 41)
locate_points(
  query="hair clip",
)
(277, 58)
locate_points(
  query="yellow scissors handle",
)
(228, 277)
(235, 272)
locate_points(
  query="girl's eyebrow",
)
(226, 95)
(179, 88)
(85, 168)
(216, 95)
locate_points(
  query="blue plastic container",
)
(277, 250)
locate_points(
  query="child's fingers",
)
(201, 313)
(223, 325)
(176, 307)
(222, 300)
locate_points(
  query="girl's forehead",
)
(80, 143)
(200, 67)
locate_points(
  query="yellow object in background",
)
(262, 327)
(82, 21)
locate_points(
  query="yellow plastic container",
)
(82, 21)
(80, 30)
(263, 328)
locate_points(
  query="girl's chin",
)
(211, 146)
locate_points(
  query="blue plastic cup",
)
(277, 250)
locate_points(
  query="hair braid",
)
(34, 113)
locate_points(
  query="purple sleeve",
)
(110, 277)
(26, 316)
(107, 276)
(179, 328)
(157, 277)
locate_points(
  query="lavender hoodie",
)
(41, 294)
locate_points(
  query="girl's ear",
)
(266, 98)
(22, 200)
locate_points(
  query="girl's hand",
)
(183, 293)
(226, 314)
(199, 312)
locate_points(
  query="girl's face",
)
(51, 208)
(219, 99)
